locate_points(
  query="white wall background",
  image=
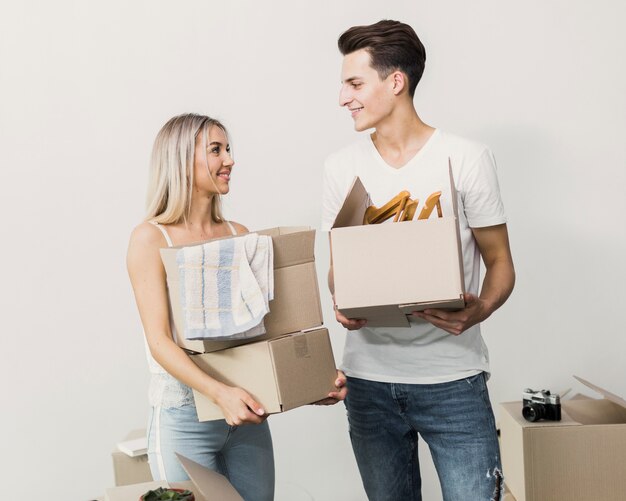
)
(85, 86)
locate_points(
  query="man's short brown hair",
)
(392, 46)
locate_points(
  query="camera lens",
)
(533, 412)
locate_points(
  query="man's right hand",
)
(239, 407)
(349, 323)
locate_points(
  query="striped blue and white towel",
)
(226, 286)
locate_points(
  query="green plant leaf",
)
(164, 494)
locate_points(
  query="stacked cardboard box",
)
(580, 458)
(407, 266)
(292, 364)
(131, 469)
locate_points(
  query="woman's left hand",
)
(336, 396)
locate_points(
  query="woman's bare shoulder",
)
(143, 254)
(147, 234)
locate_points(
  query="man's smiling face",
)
(368, 98)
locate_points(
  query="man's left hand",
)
(336, 396)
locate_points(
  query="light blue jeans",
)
(455, 419)
(243, 454)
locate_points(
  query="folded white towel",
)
(226, 286)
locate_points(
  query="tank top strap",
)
(233, 231)
(165, 234)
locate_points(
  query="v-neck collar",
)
(381, 161)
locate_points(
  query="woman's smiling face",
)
(213, 162)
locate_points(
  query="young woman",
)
(190, 169)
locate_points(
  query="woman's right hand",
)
(239, 407)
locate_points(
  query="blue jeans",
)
(243, 454)
(456, 421)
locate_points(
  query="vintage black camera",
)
(541, 405)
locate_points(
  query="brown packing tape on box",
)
(281, 373)
(296, 304)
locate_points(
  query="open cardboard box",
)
(580, 458)
(131, 469)
(206, 485)
(296, 304)
(280, 373)
(383, 272)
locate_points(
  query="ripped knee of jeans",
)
(498, 489)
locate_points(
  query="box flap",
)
(606, 394)
(293, 248)
(590, 411)
(388, 315)
(282, 230)
(444, 304)
(455, 207)
(453, 192)
(134, 447)
(296, 303)
(292, 245)
(212, 485)
(272, 232)
(356, 202)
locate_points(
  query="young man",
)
(428, 379)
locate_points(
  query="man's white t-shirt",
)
(421, 353)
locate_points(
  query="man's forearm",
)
(498, 284)
(493, 242)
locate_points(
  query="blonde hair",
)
(172, 166)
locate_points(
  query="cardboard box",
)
(383, 272)
(580, 458)
(130, 470)
(280, 373)
(206, 485)
(296, 304)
